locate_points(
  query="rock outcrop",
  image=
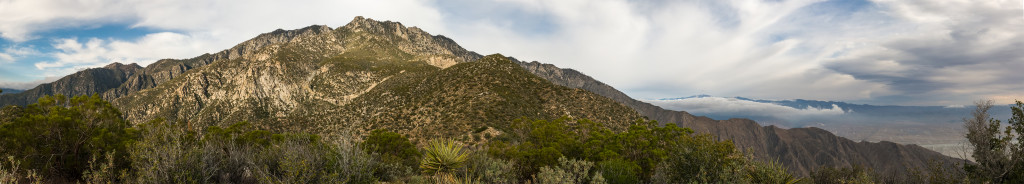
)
(289, 76)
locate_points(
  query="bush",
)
(397, 155)
(492, 170)
(168, 154)
(845, 175)
(11, 172)
(569, 171)
(768, 172)
(999, 153)
(619, 171)
(59, 136)
(937, 172)
(239, 154)
(701, 159)
(311, 161)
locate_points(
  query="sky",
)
(886, 52)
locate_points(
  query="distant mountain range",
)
(800, 113)
(373, 74)
(939, 128)
(10, 91)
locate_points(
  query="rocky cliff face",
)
(360, 77)
(435, 50)
(289, 76)
(801, 149)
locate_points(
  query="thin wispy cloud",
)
(744, 108)
(910, 52)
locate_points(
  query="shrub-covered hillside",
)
(84, 139)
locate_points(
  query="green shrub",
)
(58, 136)
(619, 171)
(240, 154)
(768, 172)
(168, 154)
(569, 171)
(844, 175)
(701, 159)
(492, 170)
(397, 155)
(11, 172)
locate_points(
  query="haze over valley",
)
(939, 128)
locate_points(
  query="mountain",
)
(801, 149)
(10, 91)
(364, 76)
(85, 82)
(938, 128)
(800, 112)
(370, 74)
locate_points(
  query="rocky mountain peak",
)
(360, 24)
(123, 67)
(436, 49)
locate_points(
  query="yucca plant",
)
(442, 156)
(770, 171)
(448, 178)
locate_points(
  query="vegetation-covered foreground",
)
(85, 140)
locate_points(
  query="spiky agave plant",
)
(770, 171)
(442, 156)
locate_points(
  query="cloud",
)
(19, 19)
(178, 28)
(888, 52)
(6, 58)
(28, 84)
(658, 49)
(95, 52)
(10, 54)
(959, 49)
(743, 108)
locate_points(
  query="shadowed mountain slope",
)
(800, 149)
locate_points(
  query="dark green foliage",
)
(936, 173)
(702, 159)
(631, 155)
(844, 175)
(242, 154)
(491, 170)
(619, 171)
(569, 171)
(391, 148)
(768, 172)
(58, 136)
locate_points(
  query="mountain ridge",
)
(280, 76)
(792, 147)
